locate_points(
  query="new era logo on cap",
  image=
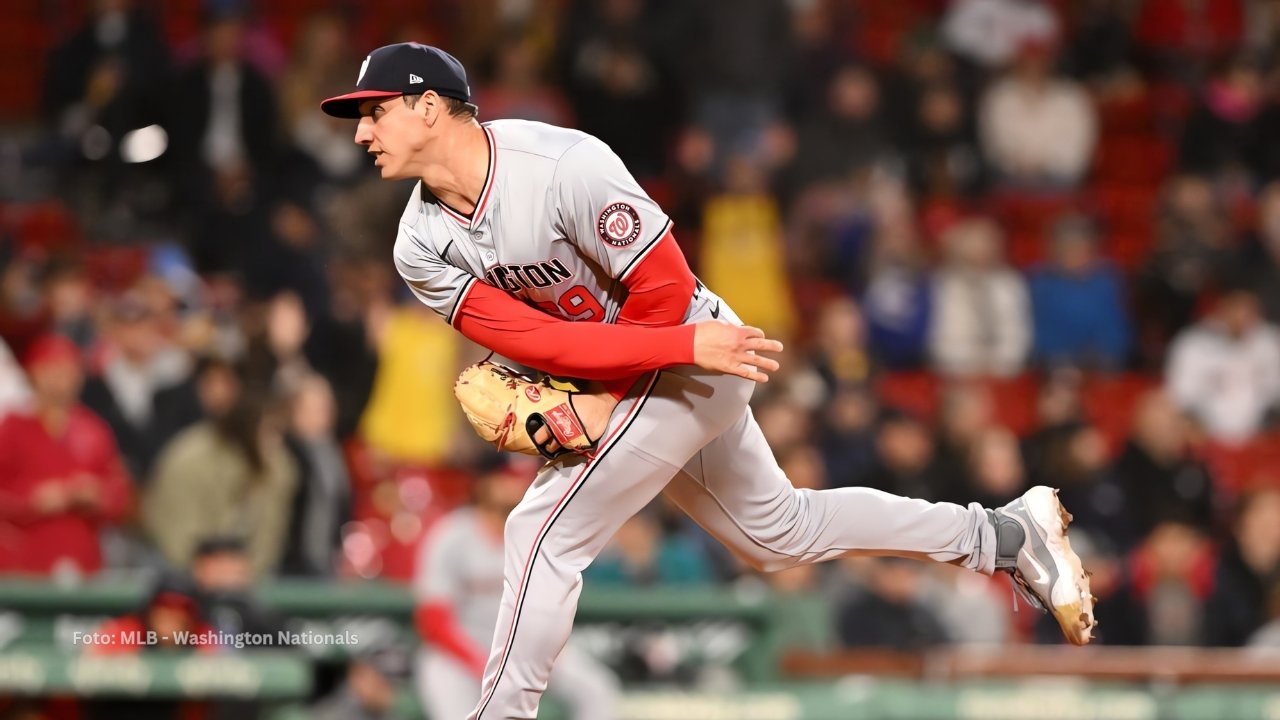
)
(383, 75)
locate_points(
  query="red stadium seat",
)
(1109, 401)
(915, 393)
(1128, 209)
(1129, 252)
(1133, 114)
(1026, 248)
(1132, 159)
(1015, 401)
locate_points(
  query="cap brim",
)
(348, 106)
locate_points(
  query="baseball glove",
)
(508, 410)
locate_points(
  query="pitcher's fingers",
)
(764, 363)
(764, 345)
(753, 332)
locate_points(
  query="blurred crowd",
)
(1008, 242)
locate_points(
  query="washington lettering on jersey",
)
(560, 222)
(515, 278)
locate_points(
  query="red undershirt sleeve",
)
(659, 288)
(437, 625)
(587, 350)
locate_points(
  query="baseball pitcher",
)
(536, 242)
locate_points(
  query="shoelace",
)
(1020, 588)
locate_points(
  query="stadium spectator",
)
(418, 359)
(735, 69)
(1059, 405)
(1099, 48)
(343, 343)
(616, 82)
(369, 690)
(62, 480)
(966, 411)
(1248, 572)
(996, 475)
(846, 436)
(819, 31)
(742, 251)
(1222, 139)
(991, 32)
(803, 466)
(319, 66)
(69, 299)
(783, 419)
(1161, 478)
(807, 626)
(904, 462)
(140, 364)
(639, 556)
(517, 88)
(1162, 599)
(1224, 371)
(1178, 38)
(1072, 456)
(839, 353)
(1078, 302)
(896, 301)
(210, 392)
(1259, 253)
(1190, 256)
(224, 586)
(323, 499)
(1037, 129)
(222, 124)
(981, 317)
(847, 135)
(106, 74)
(227, 475)
(275, 356)
(171, 613)
(892, 611)
(941, 146)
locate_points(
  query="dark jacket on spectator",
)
(1238, 605)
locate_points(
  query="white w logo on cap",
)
(414, 79)
(363, 66)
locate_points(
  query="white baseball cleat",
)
(1032, 546)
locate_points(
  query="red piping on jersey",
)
(546, 525)
(454, 215)
(469, 221)
(489, 180)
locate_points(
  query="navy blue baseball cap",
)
(402, 69)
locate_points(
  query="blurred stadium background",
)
(1008, 242)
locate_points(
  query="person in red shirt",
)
(170, 622)
(172, 612)
(61, 475)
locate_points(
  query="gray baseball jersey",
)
(561, 223)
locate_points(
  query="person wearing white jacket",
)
(981, 310)
(1036, 129)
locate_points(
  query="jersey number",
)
(576, 304)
